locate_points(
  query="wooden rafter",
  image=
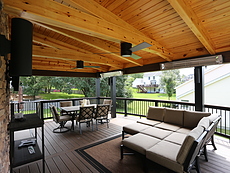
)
(91, 41)
(56, 14)
(190, 18)
(46, 52)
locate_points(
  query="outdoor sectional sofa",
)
(172, 138)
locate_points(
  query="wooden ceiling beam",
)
(191, 19)
(65, 64)
(59, 15)
(94, 42)
(74, 55)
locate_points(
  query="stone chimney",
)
(4, 98)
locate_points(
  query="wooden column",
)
(199, 88)
(112, 82)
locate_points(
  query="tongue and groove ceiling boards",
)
(66, 31)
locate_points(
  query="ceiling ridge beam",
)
(191, 19)
(56, 14)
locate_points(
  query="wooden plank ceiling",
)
(91, 30)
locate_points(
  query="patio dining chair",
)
(108, 102)
(61, 120)
(85, 116)
(66, 104)
(101, 114)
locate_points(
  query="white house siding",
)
(218, 93)
(216, 90)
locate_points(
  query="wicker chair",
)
(101, 114)
(61, 120)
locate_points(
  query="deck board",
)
(60, 155)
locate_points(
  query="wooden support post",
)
(112, 82)
(199, 88)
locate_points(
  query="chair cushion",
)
(66, 103)
(148, 122)
(174, 116)
(134, 128)
(140, 142)
(167, 126)
(190, 138)
(191, 118)
(155, 113)
(65, 118)
(156, 132)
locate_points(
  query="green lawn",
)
(60, 95)
(156, 96)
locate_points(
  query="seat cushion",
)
(167, 126)
(156, 113)
(164, 153)
(134, 128)
(184, 130)
(140, 142)
(191, 118)
(156, 132)
(148, 122)
(175, 137)
(65, 118)
(174, 116)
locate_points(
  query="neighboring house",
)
(150, 83)
(137, 81)
(216, 87)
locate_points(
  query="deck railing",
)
(129, 106)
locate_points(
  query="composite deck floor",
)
(60, 155)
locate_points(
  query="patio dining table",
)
(73, 111)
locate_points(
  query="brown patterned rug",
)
(105, 157)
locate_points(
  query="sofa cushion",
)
(183, 130)
(177, 138)
(212, 118)
(148, 122)
(191, 118)
(167, 126)
(134, 128)
(155, 113)
(156, 132)
(204, 122)
(174, 116)
(190, 138)
(165, 153)
(140, 142)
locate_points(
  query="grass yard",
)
(155, 96)
(60, 95)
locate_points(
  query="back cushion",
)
(191, 118)
(185, 147)
(156, 113)
(204, 122)
(174, 116)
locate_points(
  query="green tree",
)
(32, 85)
(169, 80)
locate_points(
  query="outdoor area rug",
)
(105, 157)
